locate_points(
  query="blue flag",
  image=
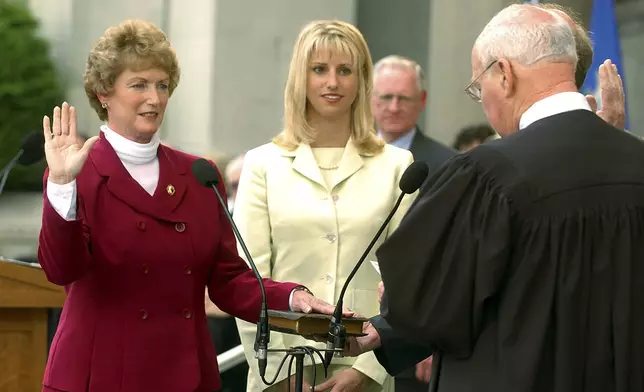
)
(606, 45)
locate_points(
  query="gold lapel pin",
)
(170, 189)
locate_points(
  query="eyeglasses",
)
(403, 100)
(474, 90)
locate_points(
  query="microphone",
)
(411, 180)
(207, 175)
(32, 150)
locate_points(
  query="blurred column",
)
(254, 41)
(192, 29)
(396, 27)
(452, 32)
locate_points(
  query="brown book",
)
(311, 325)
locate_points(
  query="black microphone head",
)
(205, 173)
(33, 148)
(413, 177)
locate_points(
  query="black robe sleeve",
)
(447, 258)
(396, 352)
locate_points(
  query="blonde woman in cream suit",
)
(309, 202)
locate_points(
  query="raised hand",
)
(613, 105)
(64, 154)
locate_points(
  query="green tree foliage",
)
(29, 89)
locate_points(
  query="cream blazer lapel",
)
(304, 163)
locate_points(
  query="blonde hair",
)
(336, 37)
(135, 45)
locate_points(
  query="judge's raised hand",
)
(64, 153)
(611, 89)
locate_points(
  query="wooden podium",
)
(25, 295)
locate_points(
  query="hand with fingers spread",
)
(613, 105)
(64, 154)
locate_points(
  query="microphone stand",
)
(437, 364)
(298, 354)
(337, 331)
(263, 335)
(5, 170)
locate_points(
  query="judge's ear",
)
(508, 78)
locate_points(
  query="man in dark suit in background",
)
(397, 101)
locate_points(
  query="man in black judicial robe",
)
(522, 264)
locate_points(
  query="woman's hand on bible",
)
(64, 153)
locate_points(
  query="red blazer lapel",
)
(168, 194)
(173, 181)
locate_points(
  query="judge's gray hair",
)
(527, 35)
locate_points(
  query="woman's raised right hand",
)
(64, 153)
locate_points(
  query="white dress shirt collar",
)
(404, 141)
(554, 104)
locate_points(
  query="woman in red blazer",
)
(135, 239)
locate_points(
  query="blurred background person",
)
(473, 135)
(311, 201)
(133, 238)
(232, 175)
(397, 101)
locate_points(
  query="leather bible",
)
(311, 324)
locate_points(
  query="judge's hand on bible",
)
(362, 344)
(613, 101)
(64, 153)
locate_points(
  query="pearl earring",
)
(104, 105)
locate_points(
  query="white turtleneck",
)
(140, 160)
